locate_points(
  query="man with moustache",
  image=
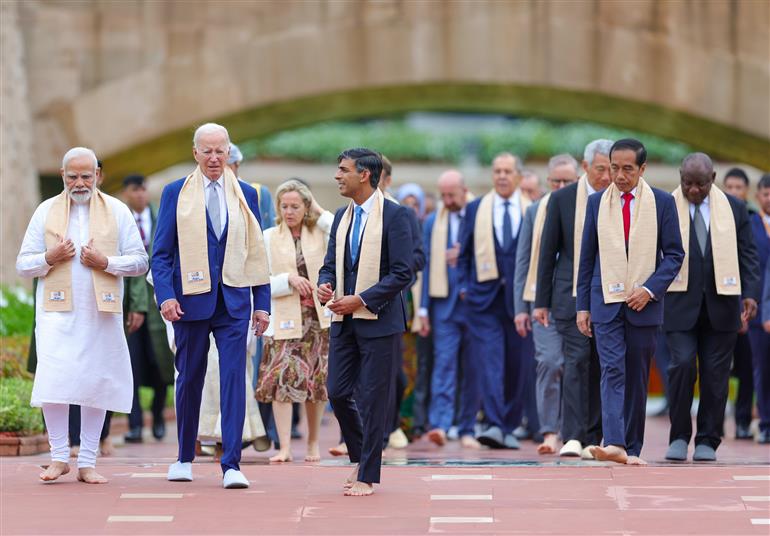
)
(716, 289)
(367, 265)
(487, 266)
(549, 356)
(555, 301)
(628, 258)
(445, 315)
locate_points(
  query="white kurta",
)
(82, 355)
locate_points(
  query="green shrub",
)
(16, 415)
(16, 311)
(528, 138)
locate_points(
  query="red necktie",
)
(627, 197)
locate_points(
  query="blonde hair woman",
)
(295, 359)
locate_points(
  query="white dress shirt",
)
(367, 206)
(514, 209)
(705, 211)
(144, 219)
(633, 201)
(210, 185)
(589, 188)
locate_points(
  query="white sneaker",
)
(398, 439)
(586, 453)
(234, 479)
(180, 472)
(571, 448)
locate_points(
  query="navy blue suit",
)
(361, 352)
(625, 339)
(500, 348)
(760, 340)
(451, 348)
(224, 311)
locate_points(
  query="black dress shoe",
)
(159, 430)
(764, 437)
(742, 431)
(134, 435)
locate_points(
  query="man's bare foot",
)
(437, 436)
(635, 460)
(359, 489)
(90, 476)
(281, 457)
(469, 442)
(610, 454)
(548, 446)
(339, 450)
(349, 481)
(106, 448)
(54, 471)
(313, 453)
(74, 451)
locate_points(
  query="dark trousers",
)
(743, 370)
(760, 353)
(192, 343)
(144, 368)
(625, 352)
(453, 351)
(363, 366)
(663, 361)
(501, 358)
(580, 390)
(74, 426)
(422, 384)
(707, 353)
(529, 408)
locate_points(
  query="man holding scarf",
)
(628, 259)
(367, 266)
(81, 350)
(715, 291)
(210, 274)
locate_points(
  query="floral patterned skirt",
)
(295, 370)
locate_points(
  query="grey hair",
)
(599, 146)
(562, 160)
(209, 128)
(516, 160)
(76, 152)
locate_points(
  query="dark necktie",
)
(701, 233)
(627, 197)
(141, 230)
(507, 226)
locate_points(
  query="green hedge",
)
(16, 311)
(16, 415)
(528, 138)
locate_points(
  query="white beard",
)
(80, 198)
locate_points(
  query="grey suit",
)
(549, 357)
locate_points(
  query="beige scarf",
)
(622, 274)
(439, 279)
(245, 264)
(103, 229)
(534, 256)
(286, 310)
(581, 201)
(368, 254)
(724, 243)
(484, 236)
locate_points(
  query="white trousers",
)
(57, 422)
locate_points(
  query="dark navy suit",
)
(760, 339)
(224, 311)
(501, 351)
(451, 347)
(361, 352)
(625, 339)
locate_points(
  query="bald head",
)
(451, 187)
(696, 177)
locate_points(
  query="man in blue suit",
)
(446, 315)
(760, 339)
(367, 266)
(625, 314)
(221, 300)
(487, 267)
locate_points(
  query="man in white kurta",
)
(82, 353)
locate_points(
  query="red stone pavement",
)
(425, 490)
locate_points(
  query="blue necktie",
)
(507, 226)
(355, 237)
